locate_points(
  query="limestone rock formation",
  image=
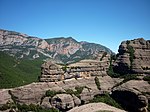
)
(131, 95)
(63, 101)
(85, 68)
(96, 107)
(133, 57)
(33, 93)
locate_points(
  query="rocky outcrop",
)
(83, 69)
(96, 107)
(133, 57)
(4, 97)
(131, 95)
(33, 93)
(63, 101)
(134, 93)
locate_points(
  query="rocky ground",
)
(96, 107)
(64, 99)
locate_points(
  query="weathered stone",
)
(76, 100)
(63, 101)
(130, 95)
(86, 95)
(133, 57)
(86, 68)
(96, 107)
(46, 103)
(4, 97)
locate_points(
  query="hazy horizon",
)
(103, 22)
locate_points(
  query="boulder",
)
(131, 95)
(63, 101)
(96, 107)
(46, 103)
(4, 97)
(76, 100)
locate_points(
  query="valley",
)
(62, 74)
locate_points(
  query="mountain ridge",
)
(60, 49)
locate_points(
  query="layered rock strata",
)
(134, 93)
(86, 68)
(133, 57)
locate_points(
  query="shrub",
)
(77, 92)
(104, 55)
(51, 93)
(110, 70)
(130, 77)
(147, 78)
(131, 53)
(4, 107)
(105, 99)
(127, 77)
(64, 68)
(97, 83)
(34, 108)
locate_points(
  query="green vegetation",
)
(97, 83)
(14, 72)
(51, 93)
(77, 92)
(105, 99)
(26, 108)
(104, 55)
(34, 108)
(64, 68)
(147, 78)
(110, 71)
(131, 53)
(127, 78)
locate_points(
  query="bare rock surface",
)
(134, 56)
(63, 101)
(33, 93)
(46, 103)
(51, 72)
(4, 96)
(132, 95)
(95, 107)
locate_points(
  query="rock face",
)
(83, 69)
(131, 95)
(134, 94)
(59, 49)
(133, 57)
(34, 92)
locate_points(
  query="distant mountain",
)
(62, 50)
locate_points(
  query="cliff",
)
(51, 71)
(133, 57)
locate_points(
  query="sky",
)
(106, 22)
